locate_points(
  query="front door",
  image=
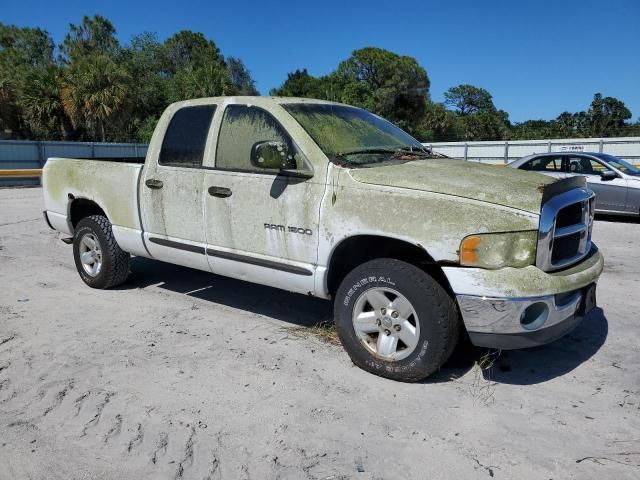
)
(172, 190)
(261, 226)
(611, 195)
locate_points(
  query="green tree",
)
(478, 117)
(300, 84)
(467, 99)
(633, 130)
(534, 129)
(196, 67)
(94, 94)
(95, 85)
(189, 48)
(10, 119)
(485, 125)
(94, 35)
(145, 61)
(581, 122)
(438, 124)
(210, 79)
(41, 103)
(565, 125)
(240, 77)
(146, 128)
(25, 46)
(393, 86)
(607, 116)
(96, 88)
(22, 50)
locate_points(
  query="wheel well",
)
(81, 208)
(357, 250)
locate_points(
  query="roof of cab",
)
(255, 100)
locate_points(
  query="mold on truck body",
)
(352, 193)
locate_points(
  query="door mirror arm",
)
(292, 172)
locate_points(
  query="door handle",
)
(153, 183)
(220, 192)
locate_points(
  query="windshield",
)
(351, 135)
(623, 166)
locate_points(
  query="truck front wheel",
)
(99, 259)
(394, 320)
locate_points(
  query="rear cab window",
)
(186, 137)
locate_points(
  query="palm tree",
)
(95, 92)
(41, 103)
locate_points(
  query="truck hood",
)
(508, 187)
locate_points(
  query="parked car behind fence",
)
(615, 182)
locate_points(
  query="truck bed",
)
(110, 182)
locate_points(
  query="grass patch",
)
(324, 331)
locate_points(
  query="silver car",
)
(615, 182)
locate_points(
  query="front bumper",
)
(511, 323)
(524, 307)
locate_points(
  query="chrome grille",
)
(566, 222)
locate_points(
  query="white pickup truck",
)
(332, 201)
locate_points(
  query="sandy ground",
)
(182, 374)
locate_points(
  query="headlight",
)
(498, 250)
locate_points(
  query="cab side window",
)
(585, 166)
(186, 136)
(243, 128)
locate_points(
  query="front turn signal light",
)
(499, 250)
(469, 250)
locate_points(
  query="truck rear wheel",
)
(99, 259)
(394, 320)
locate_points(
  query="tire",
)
(430, 324)
(110, 265)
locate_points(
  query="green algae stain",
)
(487, 183)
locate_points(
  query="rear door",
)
(547, 164)
(611, 195)
(172, 188)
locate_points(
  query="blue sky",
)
(536, 58)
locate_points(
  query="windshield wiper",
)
(366, 150)
(421, 152)
(400, 151)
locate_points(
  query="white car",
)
(615, 182)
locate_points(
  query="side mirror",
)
(270, 155)
(273, 155)
(607, 175)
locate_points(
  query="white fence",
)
(501, 152)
